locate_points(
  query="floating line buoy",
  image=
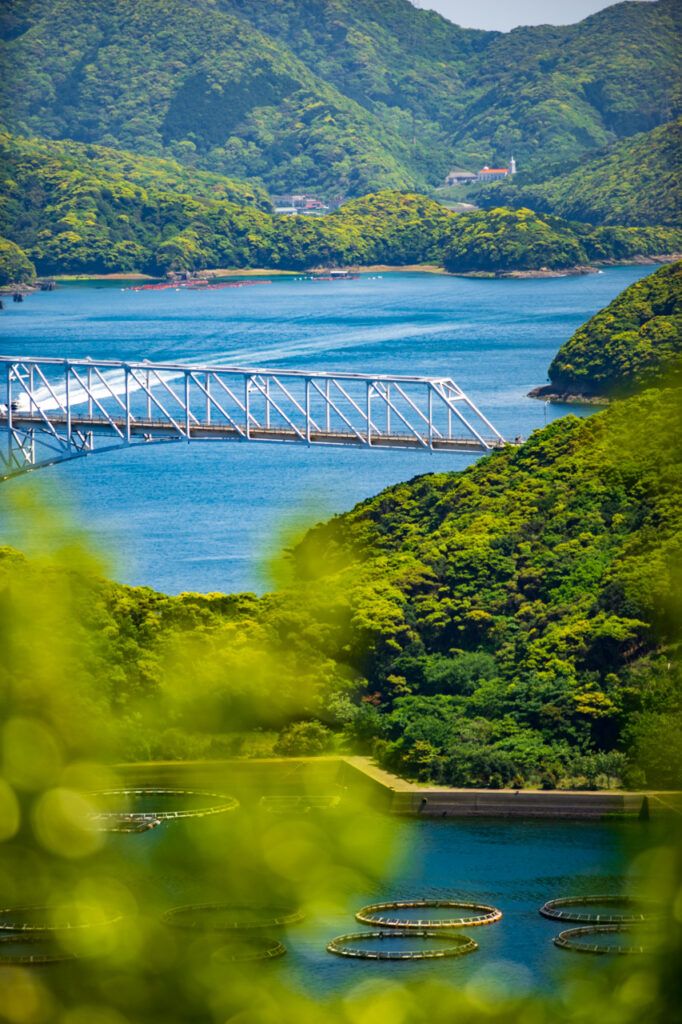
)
(477, 914)
(458, 945)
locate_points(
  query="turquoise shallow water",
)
(203, 517)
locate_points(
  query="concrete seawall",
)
(398, 796)
(249, 779)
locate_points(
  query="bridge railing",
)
(55, 409)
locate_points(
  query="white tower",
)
(512, 165)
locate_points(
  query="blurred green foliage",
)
(515, 623)
(636, 341)
(91, 671)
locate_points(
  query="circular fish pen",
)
(145, 808)
(388, 914)
(581, 940)
(457, 945)
(567, 909)
(114, 822)
(26, 949)
(228, 917)
(42, 919)
(250, 947)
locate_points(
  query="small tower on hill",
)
(512, 165)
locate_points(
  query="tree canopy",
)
(636, 341)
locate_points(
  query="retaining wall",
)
(249, 779)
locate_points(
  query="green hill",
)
(638, 182)
(345, 96)
(196, 84)
(76, 208)
(635, 342)
(515, 621)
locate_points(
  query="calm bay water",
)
(513, 865)
(206, 517)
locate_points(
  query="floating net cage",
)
(356, 945)
(26, 949)
(137, 810)
(248, 947)
(230, 917)
(391, 915)
(634, 910)
(44, 919)
(591, 939)
(298, 804)
(30, 934)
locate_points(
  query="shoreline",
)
(546, 393)
(522, 275)
(216, 273)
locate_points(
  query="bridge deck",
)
(162, 430)
(54, 409)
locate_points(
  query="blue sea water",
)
(513, 865)
(207, 517)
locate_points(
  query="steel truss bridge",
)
(53, 410)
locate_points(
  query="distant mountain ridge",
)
(332, 94)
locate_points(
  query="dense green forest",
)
(350, 97)
(638, 181)
(518, 622)
(635, 342)
(15, 267)
(75, 208)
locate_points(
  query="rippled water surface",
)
(204, 517)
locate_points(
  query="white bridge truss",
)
(53, 410)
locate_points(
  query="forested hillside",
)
(515, 622)
(193, 83)
(638, 181)
(634, 343)
(339, 95)
(76, 208)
